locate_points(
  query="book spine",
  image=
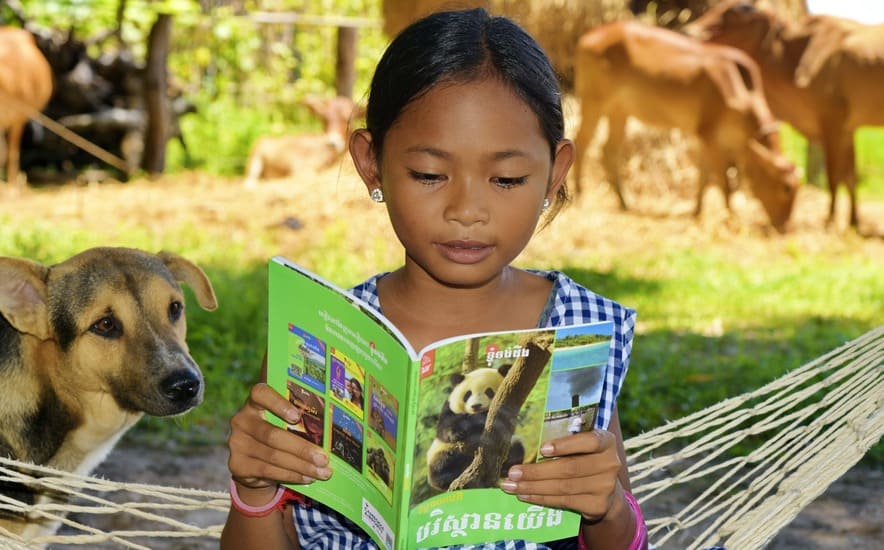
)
(407, 453)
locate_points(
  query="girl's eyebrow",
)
(427, 150)
(498, 155)
(509, 153)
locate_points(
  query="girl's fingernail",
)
(320, 459)
(547, 449)
(515, 473)
(508, 486)
(323, 473)
(308, 479)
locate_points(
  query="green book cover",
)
(418, 439)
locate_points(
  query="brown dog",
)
(87, 347)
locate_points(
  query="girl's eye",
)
(428, 179)
(509, 182)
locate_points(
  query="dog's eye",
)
(107, 327)
(175, 311)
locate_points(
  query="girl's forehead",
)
(466, 91)
(484, 111)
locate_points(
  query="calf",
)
(282, 156)
(25, 88)
(823, 75)
(668, 80)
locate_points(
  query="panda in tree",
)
(461, 424)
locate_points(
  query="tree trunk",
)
(470, 355)
(158, 126)
(503, 413)
(345, 69)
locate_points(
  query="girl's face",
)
(465, 170)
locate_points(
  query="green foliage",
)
(246, 78)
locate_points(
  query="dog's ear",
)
(188, 272)
(23, 296)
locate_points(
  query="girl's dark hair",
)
(460, 46)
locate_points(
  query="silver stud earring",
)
(377, 195)
(545, 205)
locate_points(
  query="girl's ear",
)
(562, 160)
(362, 153)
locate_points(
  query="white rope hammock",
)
(802, 432)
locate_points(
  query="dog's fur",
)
(87, 347)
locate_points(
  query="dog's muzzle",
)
(183, 388)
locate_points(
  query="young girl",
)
(465, 146)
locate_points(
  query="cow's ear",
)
(23, 296)
(315, 105)
(825, 38)
(735, 81)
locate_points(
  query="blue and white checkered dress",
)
(569, 304)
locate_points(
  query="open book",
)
(419, 440)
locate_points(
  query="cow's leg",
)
(850, 177)
(254, 169)
(840, 168)
(3, 153)
(589, 118)
(713, 165)
(611, 153)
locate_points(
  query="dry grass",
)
(660, 185)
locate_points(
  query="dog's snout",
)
(181, 387)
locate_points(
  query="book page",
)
(346, 372)
(486, 402)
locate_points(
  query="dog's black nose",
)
(181, 386)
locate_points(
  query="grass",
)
(774, 313)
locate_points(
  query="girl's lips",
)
(465, 252)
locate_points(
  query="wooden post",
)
(345, 66)
(154, 161)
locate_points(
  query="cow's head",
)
(774, 182)
(336, 115)
(745, 24)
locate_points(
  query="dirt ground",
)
(284, 217)
(850, 514)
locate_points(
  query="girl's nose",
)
(466, 202)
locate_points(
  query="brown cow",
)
(668, 80)
(823, 75)
(282, 156)
(25, 87)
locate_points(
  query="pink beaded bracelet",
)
(641, 531)
(256, 511)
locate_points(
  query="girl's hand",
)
(263, 455)
(583, 475)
